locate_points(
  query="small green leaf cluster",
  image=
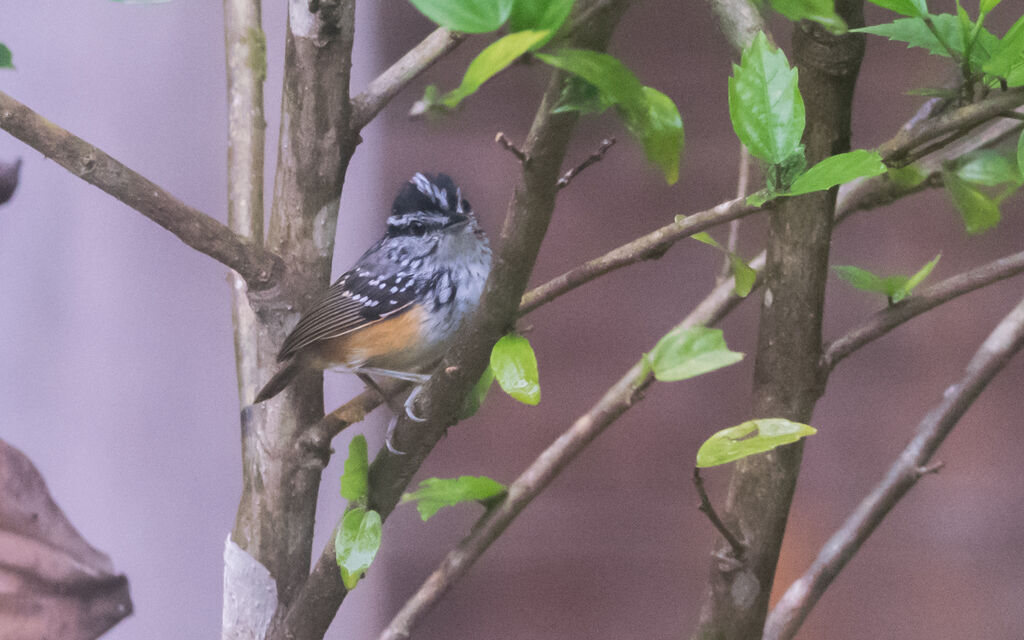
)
(358, 536)
(743, 275)
(894, 288)
(435, 493)
(981, 55)
(599, 80)
(689, 352)
(767, 113)
(6, 58)
(979, 181)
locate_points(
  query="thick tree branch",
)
(386, 86)
(257, 266)
(526, 223)
(274, 523)
(924, 300)
(786, 380)
(912, 464)
(245, 49)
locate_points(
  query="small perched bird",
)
(395, 312)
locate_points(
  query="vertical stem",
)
(275, 516)
(245, 46)
(787, 383)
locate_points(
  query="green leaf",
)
(987, 167)
(650, 115)
(979, 212)
(579, 95)
(467, 16)
(862, 279)
(705, 237)
(496, 57)
(661, 133)
(743, 274)
(749, 438)
(689, 352)
(907, 177)
(435, 493)
(355, 483)
(356, 544)
(837, 169)
(821, 11)
(765, 105)
(915, 33)
(540, 15)
(895, 288)
(6, 58)
(515, 367)
(758, 198)
(612, 78)
(1020, 155)
(913, 8)
(475, 399)
(985, 6)
(915, 279)
(1007, 60)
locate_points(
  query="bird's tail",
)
(280, 380)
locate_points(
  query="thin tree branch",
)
(597, 156)
(913, 462)
(260, 268)
(742, 189)
(386, 86)
(245, 48)
(510, 146)
(898, 148)
(709, 511)
(924, 300)
(652, 245)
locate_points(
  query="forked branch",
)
(913, 463)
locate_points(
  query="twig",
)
(742, 185)
(964, 118)
(912, 463)
(386, 86)
(652, 245)
(597, 156)
(510, 146)
(892, 316)
(259, 267)
(705, 507)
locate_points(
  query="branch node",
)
(597, 156)
(928, 469)
(510, 146)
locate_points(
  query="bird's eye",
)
(417, 228)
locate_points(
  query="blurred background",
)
(117, 371)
